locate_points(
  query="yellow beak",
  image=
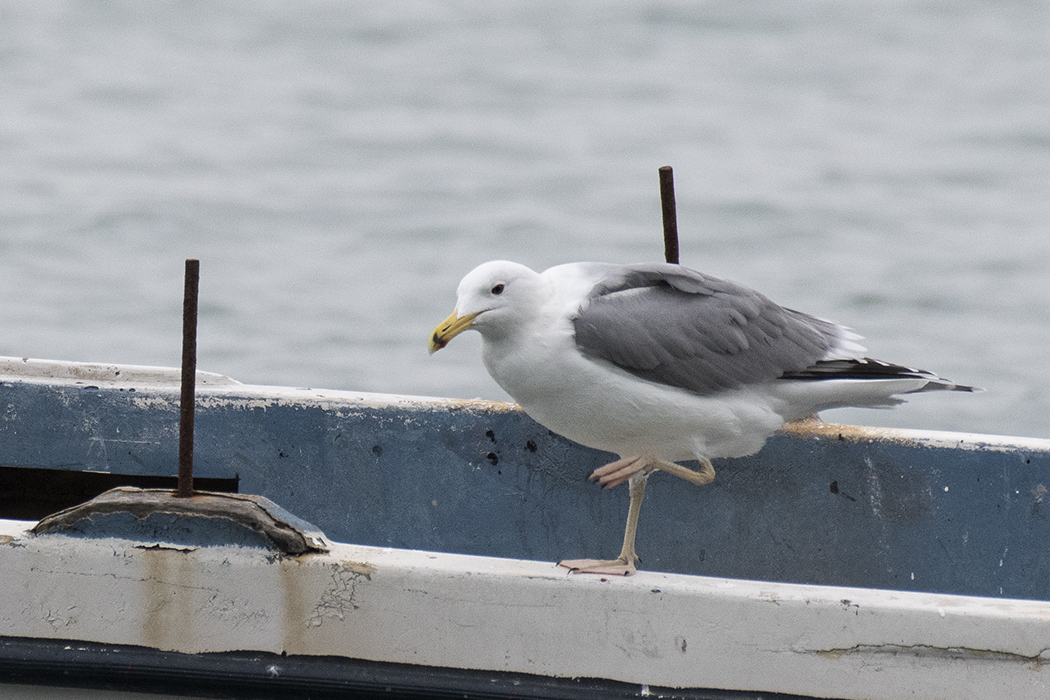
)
(449, 329)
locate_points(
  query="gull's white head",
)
(490, 299)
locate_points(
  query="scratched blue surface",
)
(823, 510)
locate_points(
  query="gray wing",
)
(676, 326)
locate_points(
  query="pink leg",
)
(634, 470)
(623, 565)
(615, 473)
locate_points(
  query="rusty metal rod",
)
(669, 214)
(189, 378)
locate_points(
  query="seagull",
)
(662, 364)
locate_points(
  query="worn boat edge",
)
(485, 614)
(214, 389)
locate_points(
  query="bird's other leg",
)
(615, 473)
(701, 478)
(623, 565)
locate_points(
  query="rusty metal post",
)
(670, 215)
(189, 378)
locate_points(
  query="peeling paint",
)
(340, 597)
(456, 611)
(1034, 661)
(369, 468)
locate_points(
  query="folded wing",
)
(675, 326)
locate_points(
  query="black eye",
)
(498, 289)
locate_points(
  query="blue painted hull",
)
(828, 505)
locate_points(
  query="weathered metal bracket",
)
(205, 519)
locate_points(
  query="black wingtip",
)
(868, 368)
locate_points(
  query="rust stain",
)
(359, 567)
(294, 617)
(168, 602)
(831, 654)
(813, 427)
(475, 405)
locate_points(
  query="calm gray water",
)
(338, 166)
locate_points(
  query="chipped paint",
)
(456, 611)
(821, 503)
(340, 598)
(817, 429)
(924, 651)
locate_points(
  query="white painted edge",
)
(482, 613)
(216, 389)
(27, 369)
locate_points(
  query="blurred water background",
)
(338, 166)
